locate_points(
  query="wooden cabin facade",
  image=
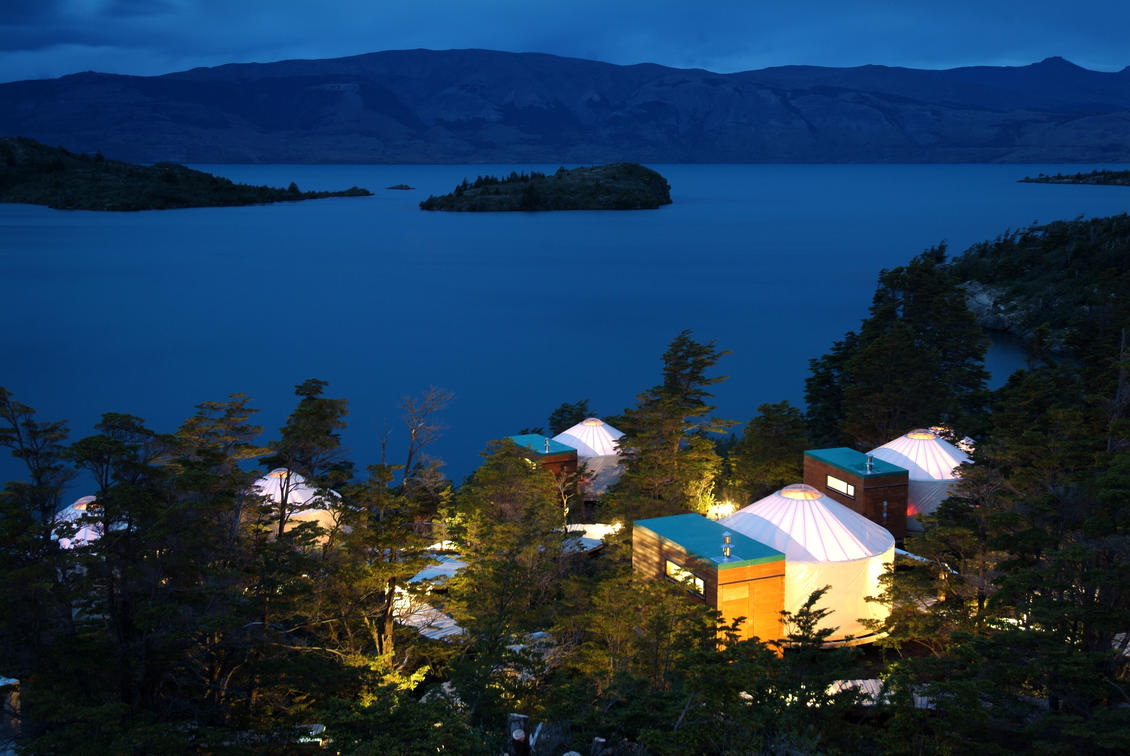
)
(867, 485)
(730, 572)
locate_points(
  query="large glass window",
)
(847, 489)
(685, 577)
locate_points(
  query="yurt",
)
(303, 500)
(592, 437)
(595, 442)
(87, 533)
(932, 462)
(824, 543)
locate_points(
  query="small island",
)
(617, 186)
(401, 187)
(36, 174)
(1101, 178)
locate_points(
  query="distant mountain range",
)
(470, 106)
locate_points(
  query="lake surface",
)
(150, 313)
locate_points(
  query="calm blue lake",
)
(150, 313)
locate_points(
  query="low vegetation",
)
(617, 186)
(39, 175)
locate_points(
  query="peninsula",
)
(617, 186)
(34, 173)
(1103, 177)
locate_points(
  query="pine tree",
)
(770, 453)
(917, 361)
(671, 463)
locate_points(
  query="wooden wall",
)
(756, 592)
(870, 493)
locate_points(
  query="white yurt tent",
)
(932, 462)
(824, 543)
(87, 533)
(595, 442)
(592, 437)
(303, 500)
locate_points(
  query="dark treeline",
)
(1102, 177)
(210, 619)
(37, 174)
(616, 186)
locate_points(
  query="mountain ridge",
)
(468, 106)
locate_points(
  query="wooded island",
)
(1102, 177)
(617, 186)
(36, 174)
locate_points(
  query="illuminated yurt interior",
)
(87, 533)
(304, 501)
(595, 442)
(932, 462)
(825, 543)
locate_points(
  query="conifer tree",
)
(671, 463)
(917, 361)
(769, 454)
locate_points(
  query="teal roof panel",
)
(703, 538)
(855, 462)
(537, 443)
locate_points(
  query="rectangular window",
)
(847, 489)
(685, 577)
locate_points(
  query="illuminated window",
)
(685, 577)
(847, 489)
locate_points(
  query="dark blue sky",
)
(46, 38)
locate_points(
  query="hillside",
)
(1059, 286)
(469, 106)
(619, 186)
(36, 174)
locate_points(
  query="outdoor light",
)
(720, 509)
(726, 548)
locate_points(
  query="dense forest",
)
(40, 175)
(617, 186)
(210, 619)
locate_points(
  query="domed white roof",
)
(299, 492)
(825, 544)
(810, 527)
(87, 533)
(932, 462)
(303, 500)
(924, 453)
(592, 437)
